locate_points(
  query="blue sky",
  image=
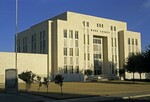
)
(135, 12)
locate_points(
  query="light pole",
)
(16, 32)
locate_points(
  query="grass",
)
(86, 89)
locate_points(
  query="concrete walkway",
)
(23, 97)
(111, 98)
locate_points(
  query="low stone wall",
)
(137, 75)
(37, 63)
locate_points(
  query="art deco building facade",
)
(75, 42)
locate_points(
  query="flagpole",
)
(16, 32)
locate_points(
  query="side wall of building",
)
(37, 63)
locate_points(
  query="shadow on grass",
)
(57, 96)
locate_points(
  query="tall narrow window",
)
(136, 42)
(65, 69)
(76, 43)
(84, 56)
(71, 52)
(115, 42)
(71, 34)
(76, 51)
(87, 23)
(88, 56)
(65, 33)
(65, 60)
(114, 28)
(26, 44)
(77, 69)
(18, 45)
(132, 41)
(112, 42)
(42, 41)
(65, 51)
(71, 60)
(111, 28)
(83, 23)
(76, 35)
(88, 39)
(84, 38)
(129, 41)
(77, 60)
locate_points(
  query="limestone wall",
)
(37, 63)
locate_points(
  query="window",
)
(102, 25)
(83, 23)
(71, 69)
(76, 34)
(129, 41)
(65, 60)
(111, 28)
(114, 28)
(65, 69)
(42, 42)
(88, 56)
(112, 42)
(97, 56)
(132, 41)
(44, 34)
(76, 43)
(71, 34)
(112, 58)
(71, 52)
(77, 69)
(84, 38)
(87, 23)
(115, 42)
(25, 44)
(97, 25)
(88, 39)
(65, 42)
(71, 60)
(116, 58)
(77, 60)
(76, 51)
(18, 45)
(84, 56)
(136, 41)
(65, 33)
(88, 50)
(65, 51)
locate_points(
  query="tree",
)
(121, 72)
(39, 82)
(130, 64)
(46, 82)
(59, 80)
(147, 59)
(28, 78)
(88, 72)
(135, 64)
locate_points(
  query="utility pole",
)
(16, 32)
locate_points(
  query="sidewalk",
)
(106, 98)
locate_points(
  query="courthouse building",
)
(76, 42)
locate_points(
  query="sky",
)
(30, 12)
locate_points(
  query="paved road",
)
(22, 97)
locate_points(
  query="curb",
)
(137, 96)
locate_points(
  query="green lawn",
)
(85, 89)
